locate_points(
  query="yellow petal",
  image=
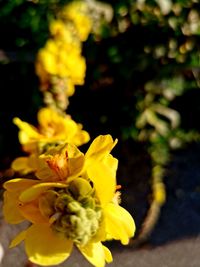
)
(101, 234)
(119, 223)
(25, 165)
(45, 247)
(100, 147)
(104, 182)
(94, 253)
(111, 163)
(19, 184)
(61, 162)
(10, 208)
(34, 191)
(18, 239)
(61, 127)
(108, 255)
(30, 129)
(76, 160)
(81, 137)
(53, 165)
(45, 116)
(20, 163)
(44, 172)
(32, 213)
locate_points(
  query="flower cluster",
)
(54, 128)
(69, 198)
(59, 64)
(72, 202)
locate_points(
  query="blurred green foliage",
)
(25, 23)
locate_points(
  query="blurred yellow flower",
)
(71, 203)
(78, 13)
(60, 59)
(53, 128)
(25, 165)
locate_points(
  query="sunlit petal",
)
(108, 255)
(45, 247)
(100, 147)
(119, 223)
(111, 163)
(94, 253)
(104, 182)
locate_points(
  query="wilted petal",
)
(45, 247)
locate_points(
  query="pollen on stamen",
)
(118, 187)
(117, 198)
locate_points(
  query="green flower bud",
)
(79, 212)
(80, 187)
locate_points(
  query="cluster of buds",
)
(60, 61)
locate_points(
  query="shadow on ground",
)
(180, 216)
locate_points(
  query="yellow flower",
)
(53, 128)
(25, 165)
(72, 203)
(77, 12)
(61, 31)
(61, 59)
(61, 56)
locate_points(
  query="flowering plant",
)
(73, 201)
(69, 198)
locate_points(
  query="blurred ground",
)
(175, 241)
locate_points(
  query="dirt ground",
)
(175, 240)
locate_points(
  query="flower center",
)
(77, 213)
